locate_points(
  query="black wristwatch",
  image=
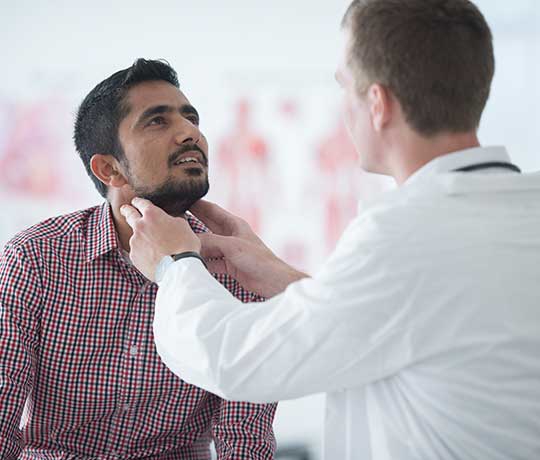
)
(169, 260)
(183, 255)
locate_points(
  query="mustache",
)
(187, 148)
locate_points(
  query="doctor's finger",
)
(215, 217)
(131, 214)
(212, 246)
(143, 205)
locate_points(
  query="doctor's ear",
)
(380, 105)
(107, 169)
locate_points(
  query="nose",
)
(187, 132)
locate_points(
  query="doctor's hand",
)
(156, 234)
(233, 248)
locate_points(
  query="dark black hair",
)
(102, 110)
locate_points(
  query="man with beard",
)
(76, 343)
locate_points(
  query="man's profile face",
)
(356, 110)
(166, 155)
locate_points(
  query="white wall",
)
(279, 55)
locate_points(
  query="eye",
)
(193, 119)
(157, 121)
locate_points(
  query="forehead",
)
(153, 93)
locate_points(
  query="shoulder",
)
(54, 228)
(405, 209)
(385, 219)
(402, 220)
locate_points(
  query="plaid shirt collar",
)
(101, 236)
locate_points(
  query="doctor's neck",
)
(414, 151)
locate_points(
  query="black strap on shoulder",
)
(493, 164)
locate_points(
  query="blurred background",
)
(261, 75)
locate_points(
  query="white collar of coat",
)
(463, 158)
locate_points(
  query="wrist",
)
(282, 275)
(167, 261)
(186, 254)
(291, 275)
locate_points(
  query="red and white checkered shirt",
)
(80, 377)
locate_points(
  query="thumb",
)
(214, 246)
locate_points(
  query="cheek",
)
(357, 122)
(348, 115)
(203, 144)
(147, 163)
(353, 118)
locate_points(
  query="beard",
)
(175, 197)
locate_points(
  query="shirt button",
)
(126, 407)
(133, 350)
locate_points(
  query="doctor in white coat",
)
(424, 325)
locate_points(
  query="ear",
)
(108, 170)
(380, 106)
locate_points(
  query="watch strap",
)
(184, 255)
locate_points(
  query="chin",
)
(175, 210)
(178, 207)
(196, 172)
(175, 198)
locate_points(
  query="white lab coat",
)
(423, 326)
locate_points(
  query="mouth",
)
(189, 159)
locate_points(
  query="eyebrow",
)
(185, 109)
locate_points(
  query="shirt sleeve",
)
(20, 295)
(244, 431)
(349, 325)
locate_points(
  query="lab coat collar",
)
(460, 159)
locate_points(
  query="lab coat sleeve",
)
(347, 326)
